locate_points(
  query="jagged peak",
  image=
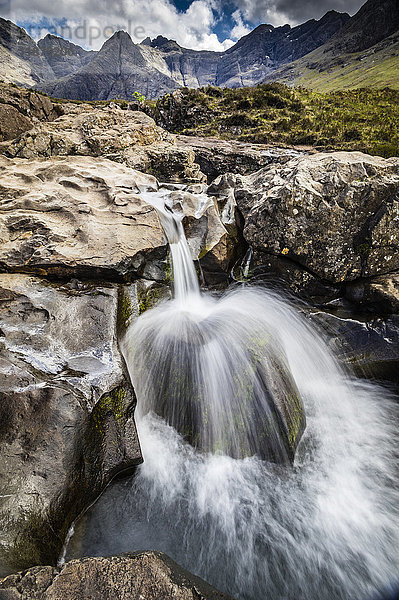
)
(164, 43)
(118, 38)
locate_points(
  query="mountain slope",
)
(118, 70)
(21, 60)
(266, 48)
(63, 56)
(365, 53)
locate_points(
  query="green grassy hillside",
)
(361, 119)
(321, 71)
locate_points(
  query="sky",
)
(198, 24)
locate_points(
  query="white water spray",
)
(327, 529)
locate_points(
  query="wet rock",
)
(380, 294)
(66, 412)
(126, 136)
(85, 130)
(369, 345)
(149, 575)
(76, 216)
(284, 273)
(207, 237)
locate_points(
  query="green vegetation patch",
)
(366, 120)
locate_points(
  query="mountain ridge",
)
(299, 55)
(155, 67)
(365, 52)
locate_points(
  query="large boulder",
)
(125, 136)
(33, 105)
(334, 215)
(146, 575)
(66, 411)
(12, 122)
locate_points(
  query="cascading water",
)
(216, 370)
(326, 529)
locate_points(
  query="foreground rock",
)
(379, 295)
(109, 132)
(66, 411)
(86, 217)
(334, 216)
(76, 217)
(147, 575)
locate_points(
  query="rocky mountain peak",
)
(63, 56)
(22, 55)
(375, 21)
(164, 44)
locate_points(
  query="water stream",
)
(326, 528)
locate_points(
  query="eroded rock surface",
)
(147, 575)
(76, 216)
(216, 157)
(125, 136)
(66, 411)
(334, 215)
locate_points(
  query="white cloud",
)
(240, 29)
(280, 12)
(90, 22)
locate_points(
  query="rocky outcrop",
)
(332, 215)
(76, 216)
(149, 575)
(109, 132)
(12, 122)
(216, 157)
(66, 411)
(20, 109)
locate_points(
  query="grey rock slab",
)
(335, 214)
(76, 216)
(66, 411)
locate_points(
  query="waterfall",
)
(213, 371)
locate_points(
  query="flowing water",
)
(326, 528)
